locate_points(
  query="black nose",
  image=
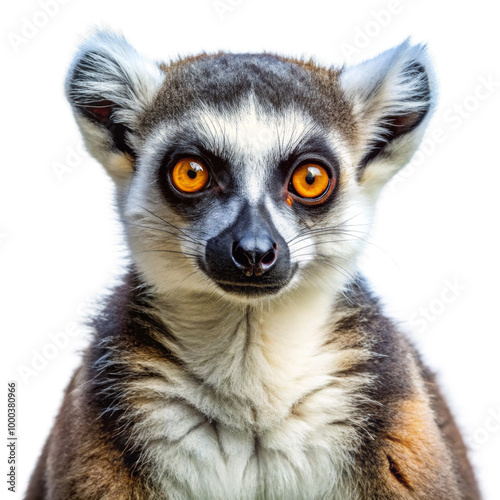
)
(254, 254)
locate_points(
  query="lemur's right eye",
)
(189, 175)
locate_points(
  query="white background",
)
(437, 231)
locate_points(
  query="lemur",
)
(243, 356)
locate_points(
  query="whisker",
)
(312, 231)
(340, 227)
(168, 223)
(180, 237)
(172, 251)
(338, 268)
(328, 231)
(321, 243)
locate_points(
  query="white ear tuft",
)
(109, 86)
(393, 95)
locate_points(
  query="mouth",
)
(255, 288)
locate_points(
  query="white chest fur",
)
(257, 413)
(298, 460)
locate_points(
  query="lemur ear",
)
(109, 85)
(393, 95)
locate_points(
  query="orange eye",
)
(310, 180)
(189, 175)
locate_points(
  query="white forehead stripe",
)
(254, 136)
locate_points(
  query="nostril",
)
(242, 260)
(269, 258)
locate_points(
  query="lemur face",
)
(246, 185)
(247, 175)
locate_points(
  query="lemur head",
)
(247, 175)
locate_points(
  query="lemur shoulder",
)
(244, 356)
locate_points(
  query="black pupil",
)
(191, 174)
(310, 178)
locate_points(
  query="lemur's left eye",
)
(311, 181)
(189, 175)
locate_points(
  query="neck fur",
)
(266, 356)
